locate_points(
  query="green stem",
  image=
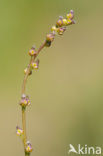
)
(27, 154)
(24, 125)
(23, 92)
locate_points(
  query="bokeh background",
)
(67, 91)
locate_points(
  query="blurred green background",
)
(66, 92)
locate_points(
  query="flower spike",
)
(58, 29)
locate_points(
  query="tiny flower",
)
(54, 29)
(50, 37)
(59, 23)
(28, 147)
(28, 100)
(25, 71)
(69, 21)
(70, 15)
(32, 51)
(25, 101)
(35, 65)
(19, 131)
(61, 30)
(65, 22)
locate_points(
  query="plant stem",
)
(23, 92)
(24, 124)
(26, 77)
(27, 154)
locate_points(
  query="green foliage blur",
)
(66, 92)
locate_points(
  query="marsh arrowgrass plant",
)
(57, 29)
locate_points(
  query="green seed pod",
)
(25, 71)
(48, 43)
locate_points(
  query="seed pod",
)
(49, 39)
(25, 71)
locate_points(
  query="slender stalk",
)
(26, 77)
(27, 154)
(41, 47)
(23, 92)
(24, 124)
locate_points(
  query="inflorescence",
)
(59, 28)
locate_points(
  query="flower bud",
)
(23, 96)
(50, 37)
(28, 147)
(61, 17)
(69, 21)
(59, 23)
(61, 30)
(70, 15)
(19, 131)
(54, 29)
(65, 22)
